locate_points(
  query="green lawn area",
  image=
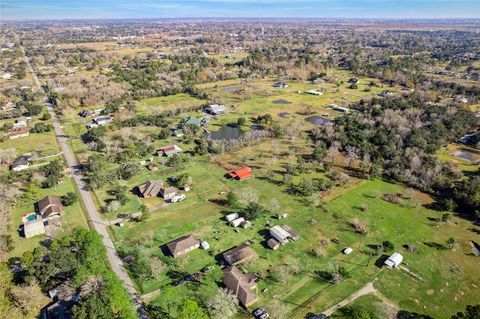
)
(43, 143)
(72, 216)
(450, 154)
(162, 103)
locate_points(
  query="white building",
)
(102, 120)
(347, 251)
(217, 109)
(33, 228)
(394, 260)
(237, 222)
(231, 217)
(280, 234)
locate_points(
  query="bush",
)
(69, 198)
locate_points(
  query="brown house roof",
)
(240, 285)
(19, 131)
(49, 205)
(238, 254)
(181, 244)
(150, 188)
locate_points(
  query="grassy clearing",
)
(162, 103)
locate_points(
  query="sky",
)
(114, 9)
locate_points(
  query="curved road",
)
(93, 215)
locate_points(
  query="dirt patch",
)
(281, 101)
(430, 292)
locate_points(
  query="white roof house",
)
(231, 217)
(237, 222)
(102, 120)
(216, 109)
(33, 228)
(394, 260)
(280, 234)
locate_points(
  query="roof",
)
(238, 254)
(183, 243)
(169, 150)
(191, 120)
(49, 205)
(241, 173)
(150, 188)
(168, 190)
(293, 234)
(19, 131)
(216, 108)
(272, 243)
(279, 233)
(394, 260)
(34, 227)
(240, 284)
(22, 160)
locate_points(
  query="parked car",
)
(177, 198)
(260, 313)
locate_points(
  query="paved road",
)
(93, 215)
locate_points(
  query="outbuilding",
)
(394, 260)
(231, 217)
(280, 234)
(347, 251)
(33, 228)
(237, 222)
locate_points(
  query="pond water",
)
(317, 120)
(226, 133)
(281, 101)
(256, 127)
(283, 114)
(467, 155)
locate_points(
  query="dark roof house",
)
(49, 206)
(150, 188)
(183, 245)
(241, 285)
(238, 255)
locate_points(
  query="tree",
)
(387, 246)
(241, 121)
(253, 211)
(42, 127)
(53, 173)
(145, 213)
(359, 312)
(163, 134)
(69, 198)
(46, 116)
(222, 305)
(191, 310)
(177, 161)
(451, 243)
(471, 312)
(446, 217)
(232, 199)
(33, 109)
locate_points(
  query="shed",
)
(241, 173)
(168, 192)
(216, 109)
(246, 224)
(231, 217)
(347, 251)
(20, 164)
(204, 245)
(293, 234)
(237, 222)
(273, 244)
(394, 260)
(280, 234)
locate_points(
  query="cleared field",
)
(158, 104)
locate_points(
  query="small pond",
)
(281, 101)
(317, 120)
(226, 133)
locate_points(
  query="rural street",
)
(93, 215)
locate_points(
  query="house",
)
(49, 207)
(394, 260)
(216, 109)
(241, 285)
(314, 92)
(280, 234)
(340, 109)
(169, 150)
(183, 245)
(241, 173)
(293, 234)
(273, 244)
(168, 192)
(246, 224)
(33, 228)
(280, 84)
(102, 120)
(192, 121)
(20, 164)
(18, 132)
(64, 297)
(152, 167)
(231, 217)
(237, 222)
(150, 188)
(238, 255)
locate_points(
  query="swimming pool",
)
(31, 217)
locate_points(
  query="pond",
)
(281, 101)
(226, 133)
(317, 120)
(467, 155)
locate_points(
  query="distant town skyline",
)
(116, 9)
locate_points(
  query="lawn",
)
(162, 103)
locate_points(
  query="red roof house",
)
(241, 173)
